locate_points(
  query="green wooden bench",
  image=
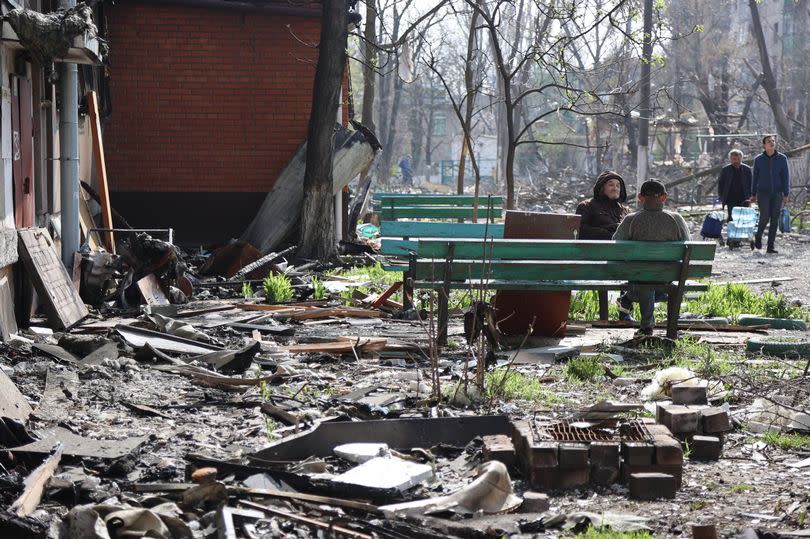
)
(392, 206)
(399, 239)
(445, 264)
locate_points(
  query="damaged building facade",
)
(201, 104)
(35, 43)
(209, 101)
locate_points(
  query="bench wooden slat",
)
(540, 270)
(427, 229)
(397, 247)
(437, 212)
(566, 249)
(437, 200)
(497, 284)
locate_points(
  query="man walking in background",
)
(770, 190)
(734, 186)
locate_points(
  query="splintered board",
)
(50, 278)
(8, 325)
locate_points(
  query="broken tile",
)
(361, 452)
(12, 403)
(387, 473)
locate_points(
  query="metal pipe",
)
(69, 156)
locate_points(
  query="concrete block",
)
(658, 430)
(660, 416)
(679, 419)
(604, 475)
(543, 478)
(534, 502)
(605, 454)
(573, 478)
(8, 246)
(651, 486)
(573, 456)
(557, 478)
(387, 472)
(668, 451)
(674, 471)
(705, 447)
(499, 447)
(543, 455)
(714, 420)
(638, 453)
(689, 394)
(521, 435)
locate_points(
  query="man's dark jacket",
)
(600, 215)
(726, 189)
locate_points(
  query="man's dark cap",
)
(652, 188)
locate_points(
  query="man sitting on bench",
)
(651, 223)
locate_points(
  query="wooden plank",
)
(541, 270)
(8, 322)
(86, 222)
(566, 249)
(428, 229)
(151, 290)
(50, 278)
(35, 485)
(389, 201)
(101, 170)
(437, 212)
(552, 285)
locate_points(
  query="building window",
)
(438, 124)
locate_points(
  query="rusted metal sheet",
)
(549, 310)
(397, 433)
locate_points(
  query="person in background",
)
(651, 223)
(770, 190)
(407, 171)
(602, 214)
(734, 185)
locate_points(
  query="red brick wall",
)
(205, 100)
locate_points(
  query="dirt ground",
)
(752, 485)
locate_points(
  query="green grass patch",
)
(787, 441)
(379, 278)
(585, 306)
(584, 369)
(512, 385)
(607, 533)
(318, 289)
(732, 300)
(700, 358)
(277, 288)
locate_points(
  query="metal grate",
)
(566, 431)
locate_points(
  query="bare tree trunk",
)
(768, 80)
(369, 73)
(317, 224)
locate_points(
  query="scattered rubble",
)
(208, 412)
